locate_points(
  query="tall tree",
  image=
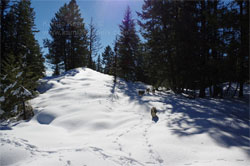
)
(94, 43)
(107, 60)
(3, 30)
(243, 57)
(23, 64)
(99, 64)
(68, 48)
(127, 47)
(178, 35)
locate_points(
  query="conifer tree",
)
(23, 64)
(243, 56)
(99, 64)
(94, 43)
(107, 60)
(4, 5)
(68, 48)
(127, 48)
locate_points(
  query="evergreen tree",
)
(185, 44)
(23, 62)
(107, 60)
(3, 30)
(68, 48)
(127, 48)
(157, 30)
(94, 43)
(237, 49)
(115, 65)
(26, 48)
(99, 64)
(243, 56)
(15, 88)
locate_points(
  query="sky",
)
(106, 14)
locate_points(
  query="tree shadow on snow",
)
(44, 84)
(8, 125)
(131, 90)
(225, 121)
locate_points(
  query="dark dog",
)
(153, 91)
(141, 92)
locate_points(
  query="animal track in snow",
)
(154, 155)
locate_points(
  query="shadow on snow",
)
(225, 121)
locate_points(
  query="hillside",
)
(82, 118)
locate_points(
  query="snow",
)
(16, 92)
(26, 92)
(9, 87)
(83, 118)
(4, 77)
(1, 111)
(19, 74)
(21, 91)
(15, 109)
(2, 99)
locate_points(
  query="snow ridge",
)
(83, 118)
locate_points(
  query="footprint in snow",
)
(24, 140)
(153, 154)
(221, 159)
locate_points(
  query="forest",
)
(180, 45)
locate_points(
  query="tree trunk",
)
(241, 50)
(235, 90)
(210, 91)
(229, 86)
(241, 89)
(202, 92)
(24, 110)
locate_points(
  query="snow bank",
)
(83, 118)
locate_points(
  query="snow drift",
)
(83, 118)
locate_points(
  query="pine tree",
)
(107, 60)
(27, 49)
(58, 46)
(14, 86)
(68, 48)
(3, 31)
(23, 64)
(243, 56)
(156, 23)
(94, 43)
(99, 64)
(127, 48)
(237, 49)
(115, 64)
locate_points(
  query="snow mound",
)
(83, 118)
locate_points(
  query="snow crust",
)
(82, 118)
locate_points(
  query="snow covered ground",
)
(83, 119)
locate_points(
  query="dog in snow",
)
(153, 114)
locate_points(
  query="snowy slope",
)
(82, 118)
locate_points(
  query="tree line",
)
(188, 45)
(185, 45)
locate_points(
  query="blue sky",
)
(106, 14)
